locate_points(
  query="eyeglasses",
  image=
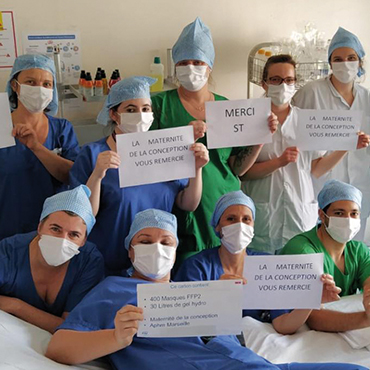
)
(277, 80)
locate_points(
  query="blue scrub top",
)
(118, 206)
(98, 310)
(24, 181)
(85, 270)
(206, 265)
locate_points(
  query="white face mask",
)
(57, 251)
(280, 94)
(345, 72)
(35, 98)
(343, 229)
(155, 260)
(135, 122)
(191, 77)
(237, 237)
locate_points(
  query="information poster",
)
(70, 51)
(8, 44)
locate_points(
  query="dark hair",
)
(275, 59)
(325, 209)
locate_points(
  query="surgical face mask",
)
(280, 94)
(57, 251)
(343, 229)
(35, 98)
(191, 77)
(345, 72)
(135, 122)
(155, 260)
(237, 237)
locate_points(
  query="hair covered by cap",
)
(344, 38)
(230, 199)
(194, 43)
(136, 87)
(335, 190)
(35, 61)
(152, 218)
(75, 200)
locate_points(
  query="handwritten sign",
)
(283, 282)
(232, 123)
(190, 308)
(6, 125)
(328, 129)
(156, 156)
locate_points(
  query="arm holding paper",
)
(56, 165)
(106, 160)
(189, 198)
(242, 162)
(322, 165)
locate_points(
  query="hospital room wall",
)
(127, 34)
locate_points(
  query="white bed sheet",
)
(22, 347)
(306, 345)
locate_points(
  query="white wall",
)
(126, 34)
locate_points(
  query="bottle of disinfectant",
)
(157, 71)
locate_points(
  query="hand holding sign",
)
(273, 122)
(25, 133)
(330, 291)
(199, 127)
(201, 155)
(106, 160)
(126, 324)
(363, 140)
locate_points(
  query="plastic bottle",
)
(105, 82)
(113, 80)
(81, 82)
(268, 54)
(88, 86)
(157, 71)
(99, 90)
(118, 75)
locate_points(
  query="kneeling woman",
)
(233, 221)
(44, 274)
(106, 321)
(127, 109)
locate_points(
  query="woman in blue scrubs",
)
(233, 222)
(127, 109)
(31, 170)
(44, 274)
(106, 321)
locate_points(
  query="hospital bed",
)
(310, 345)
(22, 345)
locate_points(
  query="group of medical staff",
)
(56, 244)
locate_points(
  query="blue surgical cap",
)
(230, 199)
(344, 38)
(334, 190)
(136, 87)
(152, 218)
(75, 200)
(194, 43)
(39, 61)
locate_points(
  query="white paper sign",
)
(156, 156)
(283, 282)
(328, 129)
(6, 125)
(186, 309)
(233, 123)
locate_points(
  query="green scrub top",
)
(356, 260)
(194, 230)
